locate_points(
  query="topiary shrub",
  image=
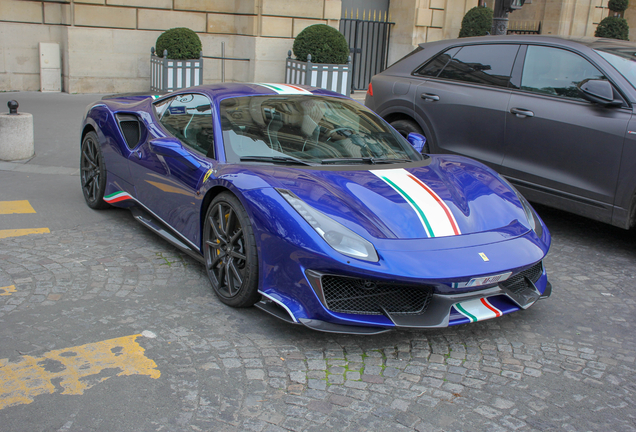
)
(618, 5)
(476, 22)
(181, 43)
(613, 28)
(324, 43)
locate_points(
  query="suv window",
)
(479, 64)
(189, 118)
(556, 72)
(435, 66)
(482, 64)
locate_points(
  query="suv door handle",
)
(521, 113)
(428, 96)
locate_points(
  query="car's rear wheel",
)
(405, 127)
(229, 249)
(93, 172)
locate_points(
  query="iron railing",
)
(369, 46)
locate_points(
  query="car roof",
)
(228, 90)
(591, 42)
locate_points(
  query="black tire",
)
(405, 127)
(229, 249)
(93, 172)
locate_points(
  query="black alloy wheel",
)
(405, 127)
(231, 258)
(93, 172)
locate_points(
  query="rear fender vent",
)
(130, 128)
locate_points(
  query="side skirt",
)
(156, 225)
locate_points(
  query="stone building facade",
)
(105, 44)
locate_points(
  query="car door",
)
(168, 170)
(464, 100)
(562, 150)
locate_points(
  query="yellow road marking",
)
(11, 207)
(73, 369)
(7, 290)
(22, 232)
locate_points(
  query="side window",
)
(189, 118)
(482, 64)
(435, 66)
(556, 72)
(160, 107)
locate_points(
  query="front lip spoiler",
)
(328, 327)
(437, 314)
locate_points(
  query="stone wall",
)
(418, 21)
(105, 44)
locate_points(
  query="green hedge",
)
(476, 22)
(613, 28)
(618, 5)
(181, 43)
(324, 43)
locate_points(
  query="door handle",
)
(428, 96)
(521, 113)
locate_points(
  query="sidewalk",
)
(56, 122)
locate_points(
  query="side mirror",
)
(171, 147)
(598, 91)
(417, 141)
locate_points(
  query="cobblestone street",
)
(567, 363)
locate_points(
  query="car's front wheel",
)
(229, 249)
(93, 172)
(405, 127)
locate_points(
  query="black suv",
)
(553, 115)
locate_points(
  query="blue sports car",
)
(309, 206)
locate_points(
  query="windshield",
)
(624, 61)
(301, 129)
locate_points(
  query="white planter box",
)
(334, 77)
(168, 75)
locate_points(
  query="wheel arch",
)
(207, 199)
(87, 128)
(391, 117)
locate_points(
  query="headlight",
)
(335, 234)
(532, 217)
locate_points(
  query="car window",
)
(482, 64)
(307, 128)
(437, 64)
(189, 118)
(624, 61)
(556, 72)
(160, 106)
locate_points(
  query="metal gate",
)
(369, 46)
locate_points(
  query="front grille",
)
(518, 283)
(360, 296)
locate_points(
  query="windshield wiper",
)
(368, 160)
(274, 159)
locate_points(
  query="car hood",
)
(441, 196)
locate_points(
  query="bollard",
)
(16, 134)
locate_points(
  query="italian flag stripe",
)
(477, 309)
(116, 197)
(441, 203)
(491, 307)
(285, 89)
(420, 213)
(470, 316)
(435, 216)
